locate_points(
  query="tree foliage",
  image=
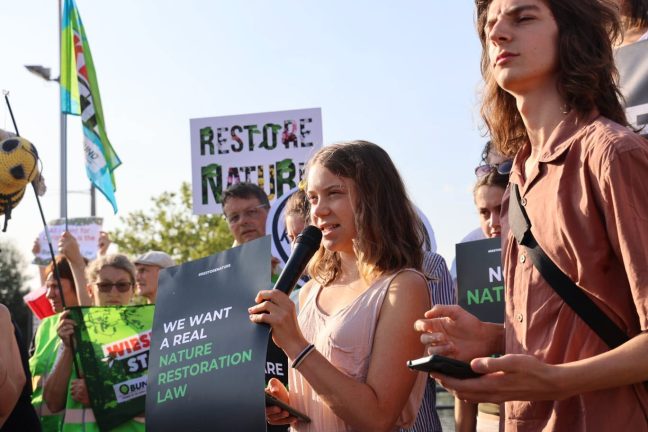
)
(171, 227)
(13, 286)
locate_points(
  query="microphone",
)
(305, 246)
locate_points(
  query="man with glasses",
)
(245, 206)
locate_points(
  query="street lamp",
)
(41, 71)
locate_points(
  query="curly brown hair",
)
(587, 76)
(390, 235)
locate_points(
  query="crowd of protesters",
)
(562, 182)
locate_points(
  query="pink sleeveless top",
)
(346, 340)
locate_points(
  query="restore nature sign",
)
(206, 370)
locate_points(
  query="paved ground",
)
(446, 415)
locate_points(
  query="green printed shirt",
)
(46, 344)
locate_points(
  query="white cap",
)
(156, 258)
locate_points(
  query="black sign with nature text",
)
(479, 279)
(207, 359)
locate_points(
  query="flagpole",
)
(93, 202)
(63, 125)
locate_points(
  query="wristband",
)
(302, 355)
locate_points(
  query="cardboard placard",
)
(113, 347)
(269, 149)
(207, 358)
(480, 281)
(86, 230)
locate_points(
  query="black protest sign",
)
(206, 369)
(479, 279)
(632, 62)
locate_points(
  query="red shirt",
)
(587, 199)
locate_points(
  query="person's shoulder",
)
(607, 143)
(6, 325)
(408, 278)
(407, 289)
(410, 274)
(51, 320)
(432, 263)
(305, 291)
(4, 313)
(608, 138)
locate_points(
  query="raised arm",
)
(69, 247)
(56, 386)
(103, 244)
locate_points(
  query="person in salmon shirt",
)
(551, 101)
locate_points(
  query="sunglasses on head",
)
(503, 168)
(105, 287)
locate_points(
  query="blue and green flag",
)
(80, 96)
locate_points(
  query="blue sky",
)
(404, 75)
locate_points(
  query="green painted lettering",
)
(498, 291)
(486, 296)
(473, 297)
(180, 391)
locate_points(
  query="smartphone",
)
(273, 401)
(444, 365)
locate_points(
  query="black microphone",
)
(306, 245)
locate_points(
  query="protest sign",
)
(632, 63)
(86, 231)
(207, 358)
(479, 279)
(276, 226)
(268, 149)
(113, 347)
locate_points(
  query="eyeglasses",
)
(251, 213)
(503, 168)
(105, 287)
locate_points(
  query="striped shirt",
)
(441, 292)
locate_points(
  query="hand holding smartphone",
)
(273, 401)
(444, 365)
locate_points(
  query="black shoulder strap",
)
(574, 296)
